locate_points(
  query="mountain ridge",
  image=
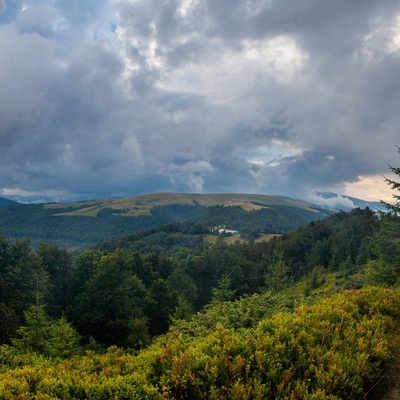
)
(142, 204)
(87, 223)
(7, 202)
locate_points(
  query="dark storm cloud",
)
(325, 166)
(104, 98)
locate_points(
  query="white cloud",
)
(130, 153)
(280, 57)
(42, 19)
(15, 191)
(191, 175)
(332, 202)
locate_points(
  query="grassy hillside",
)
(142, 204)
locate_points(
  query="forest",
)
(311, 314)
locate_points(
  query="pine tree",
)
(395, 186)
(224, 291)
(183, 310)
(64, 340)
(35, 334)
(43, 336)
(277, 273)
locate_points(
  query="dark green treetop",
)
(395, 185)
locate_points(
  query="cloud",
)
(41, 19)
(334, 202)
(102, 98)
(191, 174)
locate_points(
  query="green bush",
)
(338, 348)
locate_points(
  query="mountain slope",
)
(86, 223)
(6, 202)
(142, 204)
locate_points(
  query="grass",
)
(142, 204)
(234, 238)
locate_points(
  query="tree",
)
(35, 334)
(182, 285)
(112, 307)
(224, 291)
(43, 336)
(276, 274)
(160, 306)
(23, 280)
(395, 186)
(64, 339)
(9, 323)
(183, 310)
(57, 263)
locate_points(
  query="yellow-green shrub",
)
(338, 348)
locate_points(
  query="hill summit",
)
(143, 204)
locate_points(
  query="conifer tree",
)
(64, 339)
(395, 185)
(277, 273)
(35, 334)
(43, 336)
(183, 310)
(224, 291)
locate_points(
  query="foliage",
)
(111, 306)
(42, 223)
(227, 308)
(124, 297)
(338, 348)
(224, 291)
(41, 335)
(395, 185)
(276, 273)
(35, 335)
(338, 243)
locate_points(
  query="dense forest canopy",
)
(105, 292)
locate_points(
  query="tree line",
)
(41, 223)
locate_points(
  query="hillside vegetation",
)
(87, 223)
(6, 202)
(311, 314)
(338, 348)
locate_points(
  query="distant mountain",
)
(85, 223)
(6, 202)
(339, 202)
(143, 204)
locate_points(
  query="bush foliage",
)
(338, 348)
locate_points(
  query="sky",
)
(117, 98)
